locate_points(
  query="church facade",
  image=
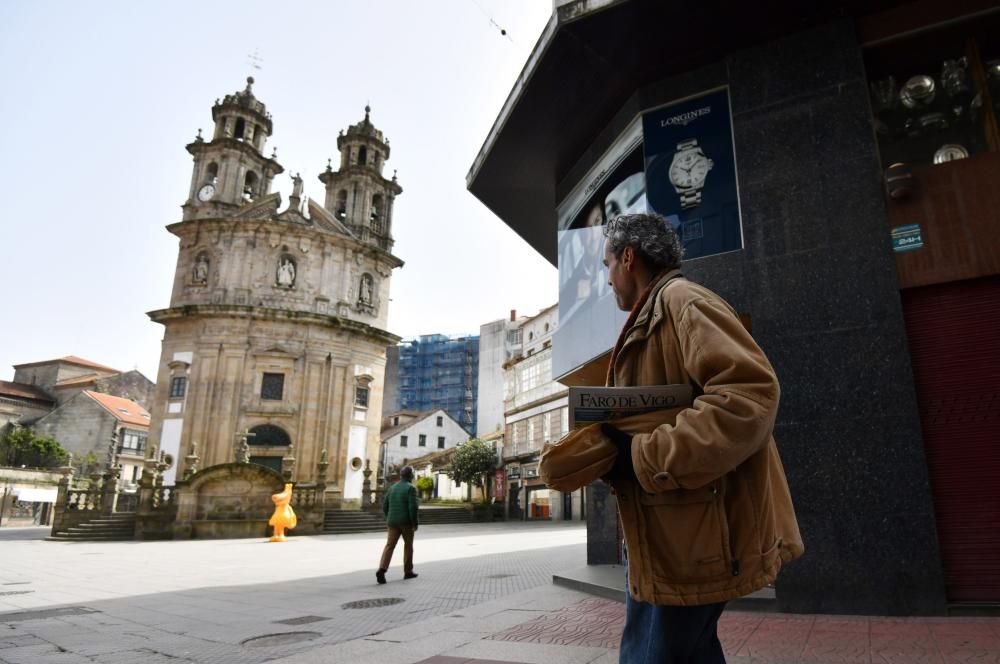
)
(276, 330)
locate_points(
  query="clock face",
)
(689, 169)
(206, 192)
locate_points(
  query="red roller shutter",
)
(954, 336)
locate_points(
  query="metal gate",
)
(954, 335)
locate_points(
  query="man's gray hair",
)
(406, 473)
(650, 235)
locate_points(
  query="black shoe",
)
(410, 575)
(380, 576)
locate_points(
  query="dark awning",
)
(592, 56)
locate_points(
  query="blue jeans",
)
(662, 634)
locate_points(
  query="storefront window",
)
(935, 94)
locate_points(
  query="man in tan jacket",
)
(702, 495)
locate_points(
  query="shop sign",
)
(499, 484)
(907, 238)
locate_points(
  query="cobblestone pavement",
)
(484, 596)
(785, 638)
(223, 601)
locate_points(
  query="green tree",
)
(19, 446)
(424, 484)
(471, 461)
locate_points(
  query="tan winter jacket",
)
(710, 517)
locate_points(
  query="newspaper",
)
(597, 404)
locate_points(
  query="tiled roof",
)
(24, 391)
(125, 410)
(70, 359)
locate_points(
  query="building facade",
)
(535, 413)
(499, 342)
(100, 430)
(438, 371)
(827, 166)
(418, 434)
(275, 332)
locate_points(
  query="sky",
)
(99, 98)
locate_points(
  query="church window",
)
(363, 156)
(241, 126)
(212, 172)
(178, 387)
(272, 386)
(258, 137)
(376, 213)
(342, 204)
(250, 186)
(268, 435)
(361, 396)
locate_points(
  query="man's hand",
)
(623, 468)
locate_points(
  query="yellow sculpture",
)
(284, 515)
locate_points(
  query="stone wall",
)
(817, 276)
(130, 385)
(80, 425)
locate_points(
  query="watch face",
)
(950, 152)
(689, 169)
(206, 192)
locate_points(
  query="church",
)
(275, 337)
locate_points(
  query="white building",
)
(499, 342)
(407, 435)
(535, 413)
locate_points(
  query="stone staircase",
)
(341, 522)
(114, 528)
(338, 522)
(442, 515)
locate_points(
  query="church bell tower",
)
(231, 169)
(357, 194)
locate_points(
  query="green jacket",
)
(400, 505)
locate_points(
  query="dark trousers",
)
(390, 545)
(662, 634)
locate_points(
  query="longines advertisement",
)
(677, 161)
(691, 172)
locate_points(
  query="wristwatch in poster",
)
(688, 171)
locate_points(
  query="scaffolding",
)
(438, 371)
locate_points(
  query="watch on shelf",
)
(688, 171)
(918, 92)
(950, 152)
(206, 193)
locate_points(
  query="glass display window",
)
(933, 92)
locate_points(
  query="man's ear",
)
(628, 257)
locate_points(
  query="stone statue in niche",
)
(286, 273)
(200, 272)
(365, 291)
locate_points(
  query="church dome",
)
(365, 129)
(245, 101)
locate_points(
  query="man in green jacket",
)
(400, 509)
